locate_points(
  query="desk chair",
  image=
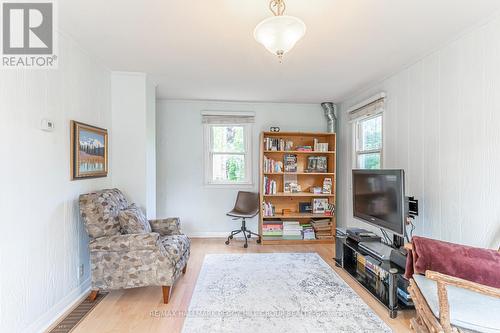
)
(246, 206)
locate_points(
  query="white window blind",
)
(224, 117)
(368, 108)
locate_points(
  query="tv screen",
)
(378, 198)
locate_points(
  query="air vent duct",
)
(331, 116)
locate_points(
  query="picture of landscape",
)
(89, 151)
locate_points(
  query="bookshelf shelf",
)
(301, 173)
(300, 194)
(295, 241)
(297, 216)
(279, 153)
(298, 152)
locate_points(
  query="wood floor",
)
(130, 310)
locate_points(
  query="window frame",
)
(357, 138)
(209, 155)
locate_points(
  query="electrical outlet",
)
(80, 271)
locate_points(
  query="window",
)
(228, 157)
(368, 146)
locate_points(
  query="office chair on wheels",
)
(246, 207)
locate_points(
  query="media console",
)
(382, 278)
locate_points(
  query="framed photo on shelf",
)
(320, 205)
(89, 151)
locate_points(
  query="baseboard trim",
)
(57, 312)
(209, 234)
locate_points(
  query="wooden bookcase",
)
(290, 201)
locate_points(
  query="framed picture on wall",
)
(89, 151)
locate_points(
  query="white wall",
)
(133, 140)
(442, 125)
(43, 241)
(180, 159)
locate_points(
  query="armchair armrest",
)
(168, 226)
(442, 281)
(129, 242)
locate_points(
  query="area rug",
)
(274, 293)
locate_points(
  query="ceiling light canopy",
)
(279, 33)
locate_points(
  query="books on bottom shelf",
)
(308, 232)
(322, 228)
(292, 230)
(272, 230)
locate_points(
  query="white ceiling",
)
(204, 49)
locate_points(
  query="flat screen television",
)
(379, 198)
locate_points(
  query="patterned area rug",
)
(274, 293)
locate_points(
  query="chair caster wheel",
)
(249, 236)
(258, 241)
(230, 237)
(227, 242)
(245, 246)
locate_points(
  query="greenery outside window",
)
(227, 154)
(368, 145)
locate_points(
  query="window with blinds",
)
(227, 148)
(368, 136)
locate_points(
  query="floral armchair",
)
(127, 250)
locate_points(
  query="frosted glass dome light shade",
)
(279, 34)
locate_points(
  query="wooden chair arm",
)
(454, 281)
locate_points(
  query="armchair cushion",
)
(468, 309)
(169, 226)
(99, 211)
(124, 243)
(133, 221)
(176, 245)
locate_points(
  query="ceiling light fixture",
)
(279, 33)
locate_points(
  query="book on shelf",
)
(319, 146)
(272, 166)
(268, 209)
(290, 162)
(292, 230)
(270, 186)
(317, 164)
(308, 231)
(327, 186)
(272, 229)
(274, 144)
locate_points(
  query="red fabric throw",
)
(465, 262)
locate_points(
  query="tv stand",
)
(380, 277)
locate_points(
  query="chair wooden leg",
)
(184, 269)
(93, 295)
(166, 293)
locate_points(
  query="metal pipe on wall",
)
(331, 116)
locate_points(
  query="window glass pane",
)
(228, 168)
(228, 139)
(369, 161)
(370, 134)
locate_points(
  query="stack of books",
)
(308, 231)
(272, 230)
(271, 166)
(322, 228)
(292, 230)
(270, 186)
(304, 148)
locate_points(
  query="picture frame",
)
(320, 205)
(89, 151)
